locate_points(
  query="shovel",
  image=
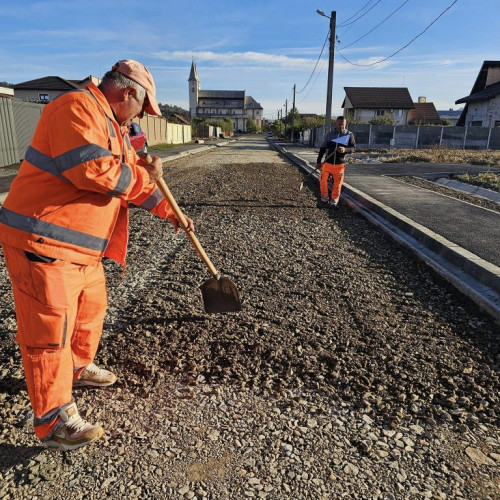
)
(307, 177)
(219, 294)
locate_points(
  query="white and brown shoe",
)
(95, 376)
(74, 431)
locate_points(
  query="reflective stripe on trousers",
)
(337, 173)
(60, 309)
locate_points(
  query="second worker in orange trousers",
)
(336, 145)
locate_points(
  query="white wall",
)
(487, 112)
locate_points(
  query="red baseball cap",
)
(139, 73)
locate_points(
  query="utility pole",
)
(293, 113)
(286, 113)
(328, 120)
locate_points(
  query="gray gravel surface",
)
(352, 372)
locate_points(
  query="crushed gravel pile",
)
(352, 372)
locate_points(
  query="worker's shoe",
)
(74, 432)
(334, 205)
(95, 376)
(322, 204)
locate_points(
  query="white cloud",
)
(239, 59)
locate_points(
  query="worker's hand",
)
(318, 165)
(154, 167)
(341, 149)
(177, 225)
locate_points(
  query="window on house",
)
(379, 112)
(497, 123)
(476, 123)
(43, 97)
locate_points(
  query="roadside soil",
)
(353, 371)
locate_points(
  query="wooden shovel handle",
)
(162, 185)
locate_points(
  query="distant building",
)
(6, 92)
(362, 104)
(451, 115)
(482, 106)
(220, 104)
(47, 88)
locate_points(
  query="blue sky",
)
(261, 46)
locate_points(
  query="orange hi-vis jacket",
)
(70, 198)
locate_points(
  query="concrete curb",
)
(468, 188)
(470, 274)
(187, 153)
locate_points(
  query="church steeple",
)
(194, 88)
(193, 75)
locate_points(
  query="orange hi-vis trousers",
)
(331, 179)
(60, 309)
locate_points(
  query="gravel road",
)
(352, 372)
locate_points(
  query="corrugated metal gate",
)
(8, 142)
(18, 120)
(26, 116)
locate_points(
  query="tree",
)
(278, 127)
(251, 126)
(168, 110)
(228, 126)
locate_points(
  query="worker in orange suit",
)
(66, 210)
(336, 144)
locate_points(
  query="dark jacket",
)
(330, 147)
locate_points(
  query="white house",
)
(220, 104)
(362, 104)
(482, 106)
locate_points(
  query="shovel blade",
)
(301, 186)
(220, 295)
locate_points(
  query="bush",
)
(382, 120)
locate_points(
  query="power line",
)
(354, 15)
(314, 83)
(381, 22)
(404, 46)
(342, 25)
(316, 65)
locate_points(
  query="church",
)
(220, 104)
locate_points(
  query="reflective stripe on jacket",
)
(70, 198)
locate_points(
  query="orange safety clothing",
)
(69, 199)
(67, 209)
(60, 309)
(331, 179)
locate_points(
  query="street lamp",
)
(328, 119)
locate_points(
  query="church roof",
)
(250, 102)
(221, 94)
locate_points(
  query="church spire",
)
(193, 75)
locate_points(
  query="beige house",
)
(362, 104)
(220, 104)
(47, 88)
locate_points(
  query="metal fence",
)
(18, 121)
(414, 137)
